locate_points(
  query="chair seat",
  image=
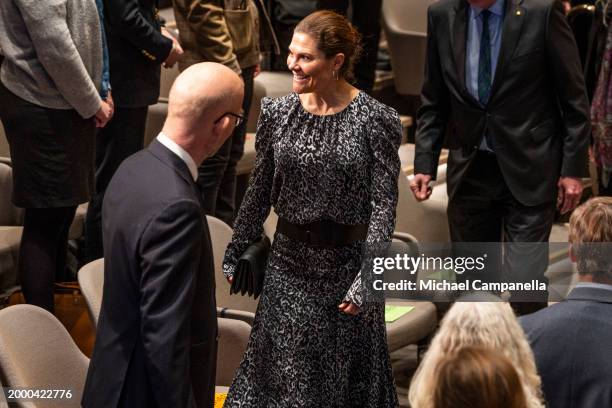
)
(413, 326)
(10, 238)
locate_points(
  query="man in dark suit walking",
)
(156, 336)
(137, 48)
(571, 340)
(505, 76)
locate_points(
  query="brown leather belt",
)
(323, 234)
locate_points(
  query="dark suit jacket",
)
(136, 51)
(156, 337)
(538, 109)
(572, 344)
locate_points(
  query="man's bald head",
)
(203, 89)
(199, 98)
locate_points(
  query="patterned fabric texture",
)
(601, 115)
(303, 352)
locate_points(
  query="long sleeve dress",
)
(304, 352)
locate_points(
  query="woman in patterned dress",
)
(326, 154)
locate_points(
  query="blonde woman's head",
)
(491, 325)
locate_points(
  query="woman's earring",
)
(335, 74)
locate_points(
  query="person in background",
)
(227, 32)
(505, 77)
(365, 16)
(50, 105)
(571, 340)
(476, 377)
(105, 87)
(491, 325)
(156, 336)
(285, 16)
(327, 160)
(137, 47)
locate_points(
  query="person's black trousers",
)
(484, 210)
(119, 139)
(217, 174)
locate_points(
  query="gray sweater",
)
(53, 53)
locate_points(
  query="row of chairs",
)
(37, 352)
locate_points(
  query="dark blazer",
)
(136, 51)
(572, 343)
(538, 109)
(156, 337)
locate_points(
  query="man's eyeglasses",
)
(238, 118)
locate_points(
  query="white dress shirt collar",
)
(180, 152)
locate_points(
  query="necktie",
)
(484, 62)
(484, 68)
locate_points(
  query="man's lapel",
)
(459, 40)
(511, 32)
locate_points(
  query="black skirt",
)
(52, 153)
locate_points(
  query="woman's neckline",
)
(359, 92)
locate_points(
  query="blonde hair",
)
(481, 324)
(590, 231)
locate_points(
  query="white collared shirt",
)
(180, 152)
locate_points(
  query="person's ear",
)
(338, 61)
(220, 125)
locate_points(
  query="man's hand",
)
(110, 101)
(104, 114)
(570, 192)
(349, 308)
(257, 70)
(420, 186)
(176, 51)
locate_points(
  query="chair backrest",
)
(156, 117)
(168, 75)
(4, 146)
(36, 351)
(9, 214)
(405, 25)
(91, 281)
(425, 220)
(233, 339)
(221, 235)
(3, 403)
(259, 91)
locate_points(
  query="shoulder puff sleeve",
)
(385, 136)
(257, 202)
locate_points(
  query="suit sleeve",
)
(569, 83)
(170, 252)
(432, 116)
(126, 19)
(207, 20)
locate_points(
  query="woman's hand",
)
(104, 114)
(349, 308)
(230, 279)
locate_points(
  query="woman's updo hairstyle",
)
(334, 34)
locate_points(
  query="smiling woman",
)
(322, 50)
(327, 161)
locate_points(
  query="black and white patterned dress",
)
(304, 352)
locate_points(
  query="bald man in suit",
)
(156, 336)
